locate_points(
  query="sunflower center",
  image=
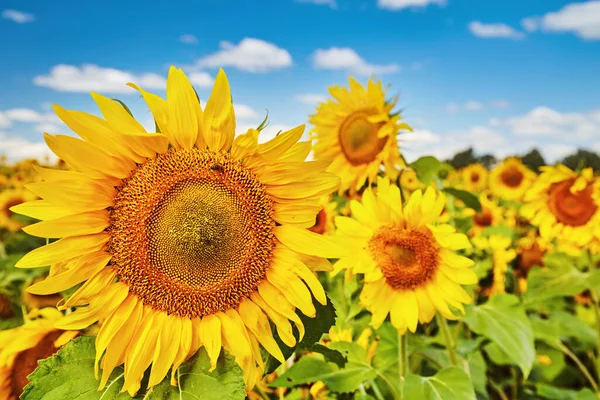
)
(485, 218)
(320, 222)
(512, 177)
(475, 177)
(27, 361)
(191, 232)
(408, 258)
(358, 138)
(574, 209)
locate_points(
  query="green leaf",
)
(545, 391)
(69, 374)
(470, 200)
(313, 368)
(196, 382)
(503, 320)
(426, 168)
(478, 372)
(314, 329)
(330, 355)
(502, 230)
(448, 384)
(558, 278)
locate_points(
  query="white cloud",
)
(344, 58)
(250, 55)
(200, 79)
(330, 3)
(497, 30)
(473, 105)
(188, 38)
(401, 4)
(19, 17)
(311, 98)
(16, 148)
(556, 152)
(90, 77)
(545, 121)
(500, 104)
(243, 111)
(27, 115)
(48, 128)
(583, 19)
(4, 121)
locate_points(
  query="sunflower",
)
(22, 347)
(358, 132)
(324, 221)
(408, 260)
(409, 180)
(8, 199)
(181, 238)
(564, 204)
(502, 255)
(474, 177)
(511, 179)
(491, 214)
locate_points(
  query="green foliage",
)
(448, 384)
(426, 168)
(503, 321)
(69, 374)
(470, 200)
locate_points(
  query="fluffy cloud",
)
(4, 121)
(546, 121)
(243, 111)
(188, 38)
(200, 79)
(250, 55)
(311, 98)
(583, 19)
(16, 148)
(496, 30)
(26, 115)
(401, 4)
(330, 3)
(90, 77)
(473, 106)
(19, 17)
(500, 104)
(344, 58)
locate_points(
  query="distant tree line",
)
(533, 159)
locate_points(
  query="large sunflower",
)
(22, 347)
(511, 179)
(407, 258)
(358, 132)
(8, 199)
(182, 237)
(564, 204)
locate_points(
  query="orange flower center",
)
(358, 138)
(320, 223)
(27, 361)
(530, 257)
(408, 258)
(191, 232)
(483, 219)
(574, 209)
(512, 177)
(475, 177)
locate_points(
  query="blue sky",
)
(502, 76)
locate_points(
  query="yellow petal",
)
(282, 324)
(42, 209)
(139, 355)
(219, 117)
(183, 105)
(280, 144)
(116, 115)
(306, 242)
(258, 324)
(158, 108)
(211, 338)
(72, 225)
(275, 299)
(63, 249)
(166, 348)
(293, 289)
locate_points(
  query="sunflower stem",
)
(596, 305)
(402, 360)
(450, 343)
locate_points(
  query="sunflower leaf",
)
(448, 384)
(426, 168)
(69, 374)
(470, 200)
(503, 320)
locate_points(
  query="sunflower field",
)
(193, 263)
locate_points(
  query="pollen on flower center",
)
(408, 258)
(358, 138)
(191, 232)
(574, 209)
(512, 177)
